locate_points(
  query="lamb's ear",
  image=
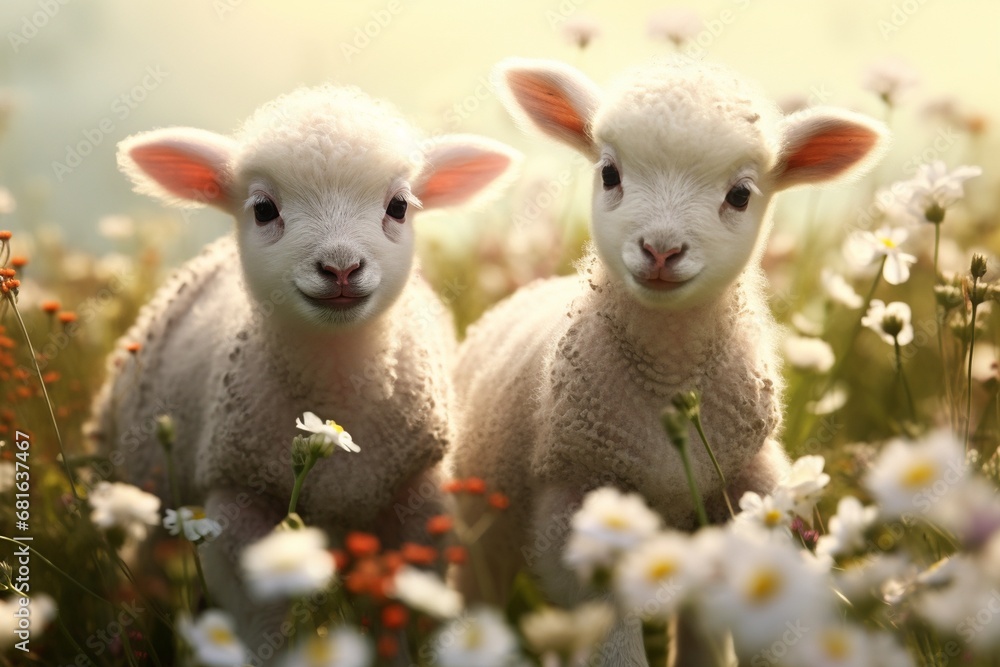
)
(181, 166)
(553, 97)
(821, 144)
(459, 167)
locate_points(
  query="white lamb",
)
(311, 305)
(561, 387)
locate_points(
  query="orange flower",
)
(392, 561)
(17, 261)
(67, 317)
(5, 235)
(361, 544)
(394, 616)
(50, 377)
(418, 554)
(133, 347)
(439, 525)
(475, 485)
(50, 307)
(453, 486)
(499, 501)
(456, 554)
(7, 342)
(340, 559)
(364, 578)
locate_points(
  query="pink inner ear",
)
(545, 102)
(454, 183)
(180, 173)
(829, 152)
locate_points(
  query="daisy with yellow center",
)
(864, 248)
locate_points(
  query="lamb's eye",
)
(265, 211)
(739, 196)
(610, 176)
(396, 208)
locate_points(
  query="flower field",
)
(880, 548)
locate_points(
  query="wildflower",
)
(197, 526)
(116, 227)
(41, 610)
(212, 639)
(439, 524)
(498, 501)
(475, 486)
(426, 592)
(839, 290)
(581, 30)
(50, 307)
(677, 25)
(763, 585)
(934, 189)
(341, 647)
(361, 544)
(803, 485)
(953, 594)
(394, 616)
(568, 633)
(829, 402)
(891, 322)
(5, 235)
(903, 478)
(480, 638)
(18, 261)
(607, 524)
(333, 432)
(984, 363)
(655, 578)
(456, 554)
(770, 513)
(889, 79)
(832, 645)
(864, 247)
(67, 317)
(809, 354)
(865, 580)
(418, 554)
(453, 486)
(118, 505)
(133, 347)
(846, 531)
(970, 511)
(288, 563)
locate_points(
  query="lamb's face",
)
(678, 206)
(327, 242)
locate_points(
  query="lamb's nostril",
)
(342, 275)
(661, 258)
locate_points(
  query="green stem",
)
(300, 479)
(972, 349)
(838, 367)
(45, 394)
(715, 462)
(682, 447)
(4, 538)
(902, 377)
(175, 496)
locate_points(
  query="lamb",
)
(311, 305)
(560, 388)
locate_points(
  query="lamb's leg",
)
(691, 646)
(245, 519)
(554, 509)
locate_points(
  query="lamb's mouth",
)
(341, 302)
(660, 285)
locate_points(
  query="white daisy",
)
(341, 647)
(197, 526)
(839, 290)
(809, 354)
(425, 591)
(863, 248)
(287, 563)
(892, 322)
(333, 431)
(769, 513)
(934, 189)
(846, 529)
(889, 78)
(568, 632)
(581, 30)
(213, 639)
(479, 637)
(675, 24)
(607, 524)
(764, 585)
(908, 478)
(118, 505)
(834, 645)
(803, 485)
(829, 402)
(41, 610)
(655, 578)
(116, 227)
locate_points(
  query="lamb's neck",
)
(332, 357)
(678, 338)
